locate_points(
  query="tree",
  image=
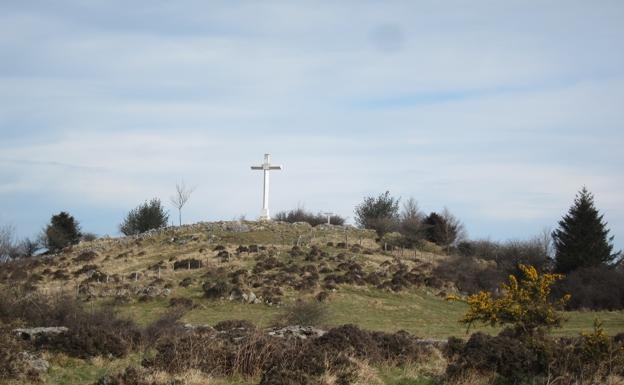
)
(62, 231)
(582, 239)
(7, 242)
(443, 229)
(380, 213)
(182, 196)
(411, 222)
(147, 216)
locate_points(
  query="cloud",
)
(500, 111)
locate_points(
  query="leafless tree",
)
(454, 228)
(7, 242)
(411, 222)
(183, 193)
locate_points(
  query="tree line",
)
(581, 239)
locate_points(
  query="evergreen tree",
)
(147, 216)
(443, 229)
(62, 231)
(582, 239)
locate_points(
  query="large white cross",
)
(266, 167)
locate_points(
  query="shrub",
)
(379, 213)
(505, 355)
(12, 363)
(443, 229)
(166, 326)
(525, 304)
(595, 288)
(470, 275)
(301, 215)
(216, 290)
(90, 332)
(188, 263)
(93, 333)
(62, 231)
(303, 313)
(147, 216)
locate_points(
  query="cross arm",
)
(257, 168)
(275, 168)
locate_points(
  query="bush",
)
(595, 288)
(300, 215)
(524, 304)
(302, 313)
(147, 216)
(62, 231)
(379, 213)
(90, 332)
(12, 363)
(471, 275)
(443, 229)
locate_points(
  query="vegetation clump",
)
(582, 239)
(147, 216)
(525, 304)
(62, 231)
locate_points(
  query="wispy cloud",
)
(500, 111)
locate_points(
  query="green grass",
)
(417, 311)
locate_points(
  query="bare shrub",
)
(12, 363)
(595, 288)
(91, 332)
(301, 215)
(305, 313)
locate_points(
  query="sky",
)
(499, 110)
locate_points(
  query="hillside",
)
(253, 270)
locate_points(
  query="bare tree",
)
(7, 242)
(182, 196)
(453, 228)
(411, 222)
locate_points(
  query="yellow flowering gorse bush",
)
(524, 303)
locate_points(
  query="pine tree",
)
(582, 239)
(62, 231)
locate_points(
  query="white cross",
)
(329, 215)
(266, 167)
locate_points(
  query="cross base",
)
(264, 215)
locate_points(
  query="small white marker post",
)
(266, 167)
(329, 215)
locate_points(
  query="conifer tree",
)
(582, 239)
(62, 231)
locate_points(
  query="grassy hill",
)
(140, 275)
(256, 271)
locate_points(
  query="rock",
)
(32, 333)
(296, 331)
(37, 364)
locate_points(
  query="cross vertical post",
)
(266, 167)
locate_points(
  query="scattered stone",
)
(296, 331)
(33, 333)
(35, 363)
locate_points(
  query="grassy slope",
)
(419, 311)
